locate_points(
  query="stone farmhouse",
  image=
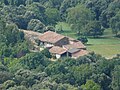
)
(62, 46)
(57, 44)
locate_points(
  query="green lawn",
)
(66, 30)
(105, 50)
(107, 45)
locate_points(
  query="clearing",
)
(107, 45)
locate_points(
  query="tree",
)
(38, 10)
(67, 4)
(13, 35)
(103, 80)
(4, 76)
(81, 73)
(10, 33)
(16, 2)
(111, 11)
(53, 69)
(104, 66)
(93, 28)
(2, 38)
(116, 78)
(83, 39)
(52, 15)
(2, 25)
(7, 84)
(33, 60)
(46, 53)
(2, 67)
(79, 17)
(18, 88)
(90, 85)
(115, 23)
(66, 87)
(35, 25)
(29, 15)
(25, 77)
(55, 3)
(49, 28)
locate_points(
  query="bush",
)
(46, 53)
(83, 39)
(118, 36)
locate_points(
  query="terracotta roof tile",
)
(57, 50)
(51, 37)
(80, 53)
(78, 45)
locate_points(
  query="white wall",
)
(58, 56)
(74, 57)
(71, 42)
(48, 45)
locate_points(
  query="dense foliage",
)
(86, 17)
(35, 71)
(22, 70)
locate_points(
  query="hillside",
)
(59, 44)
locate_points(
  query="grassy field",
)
(107, 45)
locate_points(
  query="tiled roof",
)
(57, 50)
(77, 45)
(51, 37)
(80, 53)
(73, 50)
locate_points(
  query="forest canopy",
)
(21, 69)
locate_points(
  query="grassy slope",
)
(107, 45)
